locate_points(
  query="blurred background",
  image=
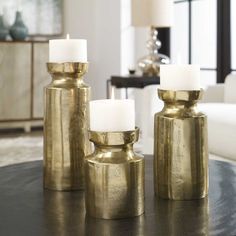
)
(203, 32)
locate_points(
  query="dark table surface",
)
(27, 209)
(133, 81)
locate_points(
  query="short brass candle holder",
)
(180, 147)
(114, 176)
(66, 119)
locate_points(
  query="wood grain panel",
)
(15, 75)
(41, 77)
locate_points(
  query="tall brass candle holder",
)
(180, 147)
(66, 122)
(114, 176)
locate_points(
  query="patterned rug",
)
(15, 150)
(20, 149)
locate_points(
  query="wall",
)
(141, 37)
(133, 40)
(127, 38)
(98, 21)
(113, 44)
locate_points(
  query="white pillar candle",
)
(67, 50)
(112, 115)
(180, 77)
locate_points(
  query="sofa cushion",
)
(221, 128)
(230, 89)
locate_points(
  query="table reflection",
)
(130, 226)
(64, 212)
(182, 217)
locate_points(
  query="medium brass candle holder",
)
(114, 176)
(66, 119)
(180, 147)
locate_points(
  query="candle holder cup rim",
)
(180, 95)
(79, 68)
(114, 138)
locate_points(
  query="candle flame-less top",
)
(67, 50)
(112, 115)
(180, 77)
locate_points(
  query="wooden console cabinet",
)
(23, 75)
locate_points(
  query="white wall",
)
(98, 21)
(127, 37)
(113, 44)
(141, 37)
(133, 40)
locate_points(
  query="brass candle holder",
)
(66, 122)
(180, 147)
(114, 176)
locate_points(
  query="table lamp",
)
(154, 14)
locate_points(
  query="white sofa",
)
(219, 104)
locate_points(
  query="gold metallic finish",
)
(180, 147)
(114, 176)
(66, 119)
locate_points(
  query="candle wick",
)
(68, 36)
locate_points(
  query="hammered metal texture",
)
(180, 147)
(114, 176)
(66, 119)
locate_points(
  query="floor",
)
(18, 148)
(21, 147)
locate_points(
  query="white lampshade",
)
(158, 13)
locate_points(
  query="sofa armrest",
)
(230, 87)
(214, 94)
